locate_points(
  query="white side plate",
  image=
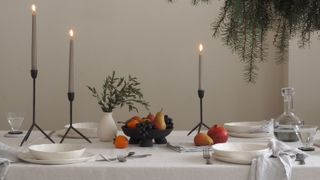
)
(231, 160)
(27, 156)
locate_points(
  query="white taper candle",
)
(34, 39)
(71, 63)
(200, 66)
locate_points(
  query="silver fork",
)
(206, 155)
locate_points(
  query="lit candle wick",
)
(200, 47)
(71, 33)
(33, 8)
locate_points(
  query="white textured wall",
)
(304, 77)
(151, 39)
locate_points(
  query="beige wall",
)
(303, 76)
(153, 40)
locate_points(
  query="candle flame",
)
(200, 47)
(33, 7)
(71, 33)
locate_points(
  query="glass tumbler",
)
(15, 120)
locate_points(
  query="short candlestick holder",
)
(71, 98)
(201, 123)
(34, 74)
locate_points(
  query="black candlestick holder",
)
(201, 123)
(71, 98)
(34, 74)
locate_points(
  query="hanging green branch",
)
(243, 26)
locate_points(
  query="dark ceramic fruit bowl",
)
(159, 136)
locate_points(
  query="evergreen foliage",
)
(243, 25)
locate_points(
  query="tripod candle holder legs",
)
(71, 98)
(34, 74)
(201, 123)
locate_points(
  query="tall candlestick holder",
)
(201, 123)
(71, 98)
(34, 74)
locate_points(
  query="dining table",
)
(163, 164)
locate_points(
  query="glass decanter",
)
(284, 125)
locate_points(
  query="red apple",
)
(218, 133)
(151, 117)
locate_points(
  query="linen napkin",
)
(279, 168)
(7, 155)
(184, 147)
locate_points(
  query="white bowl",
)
(89, 129)
(56, 151)
(248, 127)
(244, 151)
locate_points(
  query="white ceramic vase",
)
(107, 129)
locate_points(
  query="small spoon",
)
(122, 158)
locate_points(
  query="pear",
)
(159, 121)
(202, 139)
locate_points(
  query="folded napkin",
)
(7, 155)
(278, 168)
(184, 147)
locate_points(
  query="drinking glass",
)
(306, 134)
(15, 120)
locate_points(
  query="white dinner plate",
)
(56, 151)
(250, 135)
(231, 159)
(27, 156)
(245, 151)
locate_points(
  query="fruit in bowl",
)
(149, 129)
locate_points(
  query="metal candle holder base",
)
(34, 74)
(71, 98)
(201, 123)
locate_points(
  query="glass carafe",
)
(284, 125)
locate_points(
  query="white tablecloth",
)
(164, 163)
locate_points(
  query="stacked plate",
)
(55, 154)
(239, 153)
(254, 129)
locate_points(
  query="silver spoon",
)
(120, 158)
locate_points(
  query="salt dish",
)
(56, 151)
(243, 151)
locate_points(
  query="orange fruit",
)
(121, 142)
(137, 118)
(132, 124)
